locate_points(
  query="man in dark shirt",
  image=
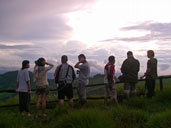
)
(130, 69)
(150, 74)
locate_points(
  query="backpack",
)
(58, 71)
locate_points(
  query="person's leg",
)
(21, 103)
(114, 93)
(61, 102)
(69, 94)
(61, 95)
(71, 103)
(27, 104)
(152, 87)
(26, 100)
(149, 88)
(106, 95)
(39, 99)
(44, 104)
(82, 94)
(126, 90)
(133, 89)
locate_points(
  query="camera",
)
(78, 71)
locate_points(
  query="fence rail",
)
(90, 85)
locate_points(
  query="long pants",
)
(24, 101)
(81, 90)
(150, 85)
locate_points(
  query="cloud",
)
(95, 66)
(37, 20)
(19, 47)
(164, 66)
(157, 31)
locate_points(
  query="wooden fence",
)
(90, 85)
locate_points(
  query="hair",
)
(64, 59)
(82, 55)
(111, 58)
(129, 53)
(151, 53)
(24, 64)
(39, 62)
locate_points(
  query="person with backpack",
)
(110, 86)
(42, 85)
(130, 69)
(23, 87)
(84, 74)
(64, 77)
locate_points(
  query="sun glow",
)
(105, 19)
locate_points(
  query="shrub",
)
(128, 118)
(136, 102)
(160, 120)
(12, 121)
(163, 96)
(87, 118)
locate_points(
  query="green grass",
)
(137, 112)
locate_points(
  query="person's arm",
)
(55, 72)
(124, 67)
(50, 66)
(27, 79)
(147, 71)
(28, 86)
(17, 85)
(77, 64)
(35, 73)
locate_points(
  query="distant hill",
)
(8, 80)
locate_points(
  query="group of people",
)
(65, 75)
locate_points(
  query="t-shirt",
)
(41, 78)
(63, 72)
(109, 71)
(22, 78)
(84, 72)
(152, 65)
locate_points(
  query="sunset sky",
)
(30, 29)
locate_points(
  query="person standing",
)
(150, 74)
(64, 77)
(110, 86)
(23, 87)
(130, 69)
(84, 74)
(42, 85)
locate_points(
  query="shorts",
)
(40, 90)
(110, 90)
(65, 90)
(81, 90)
(130, 87)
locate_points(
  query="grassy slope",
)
(137, 112)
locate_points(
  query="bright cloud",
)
(98, 28)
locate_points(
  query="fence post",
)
(161, 84)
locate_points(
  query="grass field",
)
(137, 112)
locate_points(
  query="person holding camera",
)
(84, 73)
(64, 77)
(42, 85)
